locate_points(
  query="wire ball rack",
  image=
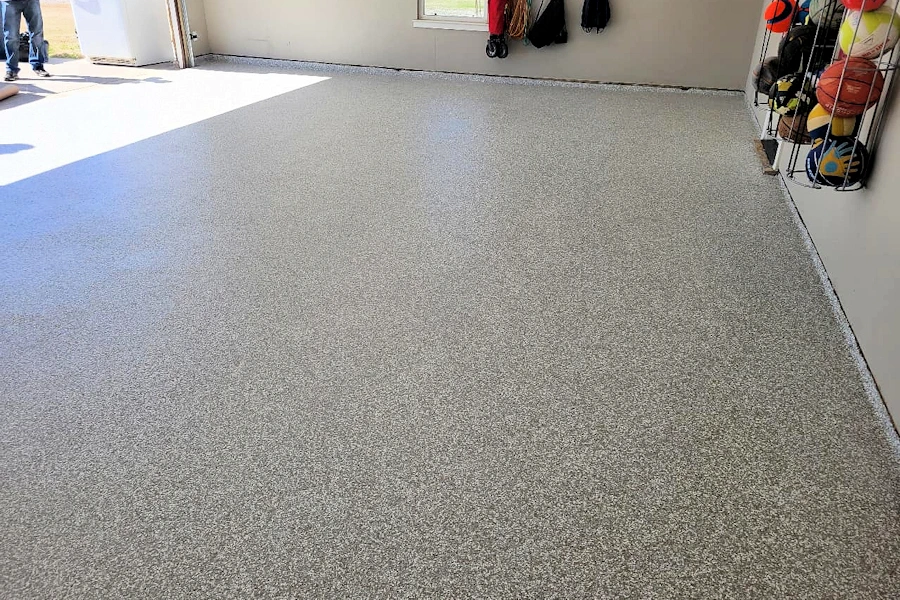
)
(825, 50)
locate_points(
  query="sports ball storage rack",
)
(826, 45)
(770, 124)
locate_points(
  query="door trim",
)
(182, 40)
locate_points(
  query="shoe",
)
(11, 76)
(40, 72)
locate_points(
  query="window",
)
(463, 15)
(453, 10)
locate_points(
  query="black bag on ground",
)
(25, 49)
(24, 45)
(595, 15)
(550, 26)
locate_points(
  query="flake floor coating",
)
(390, 336)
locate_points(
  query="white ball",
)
(874, 30)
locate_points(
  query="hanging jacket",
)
(595, 15)
(550, 26)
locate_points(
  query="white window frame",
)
(457, 23)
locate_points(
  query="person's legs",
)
(32, 11)
(11, 15)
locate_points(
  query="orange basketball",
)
(780, 15)
(861, 88)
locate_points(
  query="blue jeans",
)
(11, 12)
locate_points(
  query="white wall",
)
(857, 235)
(702, 43)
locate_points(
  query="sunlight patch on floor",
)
(63, 129)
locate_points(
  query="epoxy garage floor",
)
(400, 336)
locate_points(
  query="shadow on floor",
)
(23, 83)
(18, 100)
(13, 148)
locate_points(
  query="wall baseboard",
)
(449, 75)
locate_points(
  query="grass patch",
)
(59, 30)
(456, 8)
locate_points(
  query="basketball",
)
(863, 4)
(766, 74)
(791, 94)
(876, 31)
(827, 13)
(819, 120)
(793, 129)
(860, 90)
(834, 162)
(780, 15)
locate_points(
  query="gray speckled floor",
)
(399, 337)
